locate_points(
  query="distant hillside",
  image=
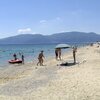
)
(55, 38)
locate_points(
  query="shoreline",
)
(48, 57)
(52, 82)
(49, 52)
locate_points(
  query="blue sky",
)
(48, 16)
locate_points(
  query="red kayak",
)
(15, 61)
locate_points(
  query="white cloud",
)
(49, 26)
(25, 30)
(43, 21)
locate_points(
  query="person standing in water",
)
(22, 59)
(15, 56)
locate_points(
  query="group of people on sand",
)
(41, 56)
(57, 55)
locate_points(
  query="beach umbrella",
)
(62, 46)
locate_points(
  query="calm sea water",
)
(30, 52)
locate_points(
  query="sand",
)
(52, 81)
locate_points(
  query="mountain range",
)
(63, 37)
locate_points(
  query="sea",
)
(30, 51)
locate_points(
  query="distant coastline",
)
(64, 37)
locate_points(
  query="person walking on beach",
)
(74, 54)
(59, 53)
(40, 58)
(56, 53)
(15, 56)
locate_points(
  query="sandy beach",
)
(52, 81)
